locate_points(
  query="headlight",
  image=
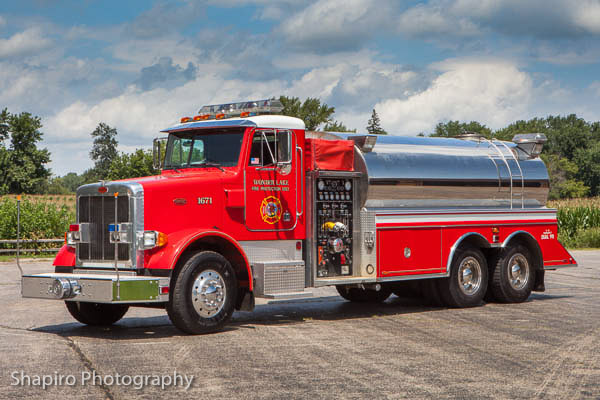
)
(151, 239)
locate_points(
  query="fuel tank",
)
(417, 172)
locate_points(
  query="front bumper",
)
(95, 288)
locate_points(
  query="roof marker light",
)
(220, 116)
(185, 119)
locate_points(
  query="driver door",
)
(271, 180)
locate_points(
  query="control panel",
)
(334, 198)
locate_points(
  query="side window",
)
(263, 151)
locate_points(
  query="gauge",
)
(321, 185)
(348, 185)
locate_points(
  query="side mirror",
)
(158, 152)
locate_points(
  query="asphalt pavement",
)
(322, 347)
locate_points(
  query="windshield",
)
(204, 148)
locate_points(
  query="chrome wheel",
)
(208, 293)
(518, 271)
(469, 276)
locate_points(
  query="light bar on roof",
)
(242, 109)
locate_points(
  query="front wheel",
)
(96, 314)
(203, 296)
(468, 279)
(513, 275)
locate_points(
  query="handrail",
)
(491, 143)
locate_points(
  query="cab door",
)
(271, 180)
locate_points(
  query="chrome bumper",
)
(95, 288)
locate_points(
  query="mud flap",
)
(538, 284)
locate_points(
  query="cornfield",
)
(578, 221)
(49, 216)
(42, 217)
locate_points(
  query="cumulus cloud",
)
(492, 92)
(543, 19)
(165, 17)
(427, 20)
(336, 25)
(23, 43)
(165, 74)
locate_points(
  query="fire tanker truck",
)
(249, 204)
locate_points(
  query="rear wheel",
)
(468, 279)
(96, 314)
(360, 295)
(513, 275)
(204, 294)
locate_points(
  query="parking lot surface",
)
(322, 347)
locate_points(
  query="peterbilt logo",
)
(547, 234)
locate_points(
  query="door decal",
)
(270, 210)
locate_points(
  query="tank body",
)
(426, 172)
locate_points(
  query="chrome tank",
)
(429, 172)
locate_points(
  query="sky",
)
(141, 65)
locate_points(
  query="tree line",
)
(572, 153)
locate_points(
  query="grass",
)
(13, 258)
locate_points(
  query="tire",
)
(410, 289)
(96, 314)
(358, 295)
(513, 275)
(468, 279)
(203, 295)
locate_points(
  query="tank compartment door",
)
(409, 251)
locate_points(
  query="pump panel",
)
(334, 215)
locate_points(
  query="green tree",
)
(336, 126)
(563, 178)
(23, 163)
(374, 125)
(565, 134)
(588, 161)
(104, 149)
(456, 128)
(133, 165)
(312, 112)
(65, 184)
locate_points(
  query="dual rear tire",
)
(509, 279)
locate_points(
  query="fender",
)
(168, 256)
(478, 236)
(65, 257)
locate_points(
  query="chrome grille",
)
(99, 212)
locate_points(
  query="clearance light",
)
(73, 236)
(201, 117)
(151, 239)
(185, 119)
(245, 114)
(220, 116)
(78, 233)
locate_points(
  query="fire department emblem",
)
(270, 210)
